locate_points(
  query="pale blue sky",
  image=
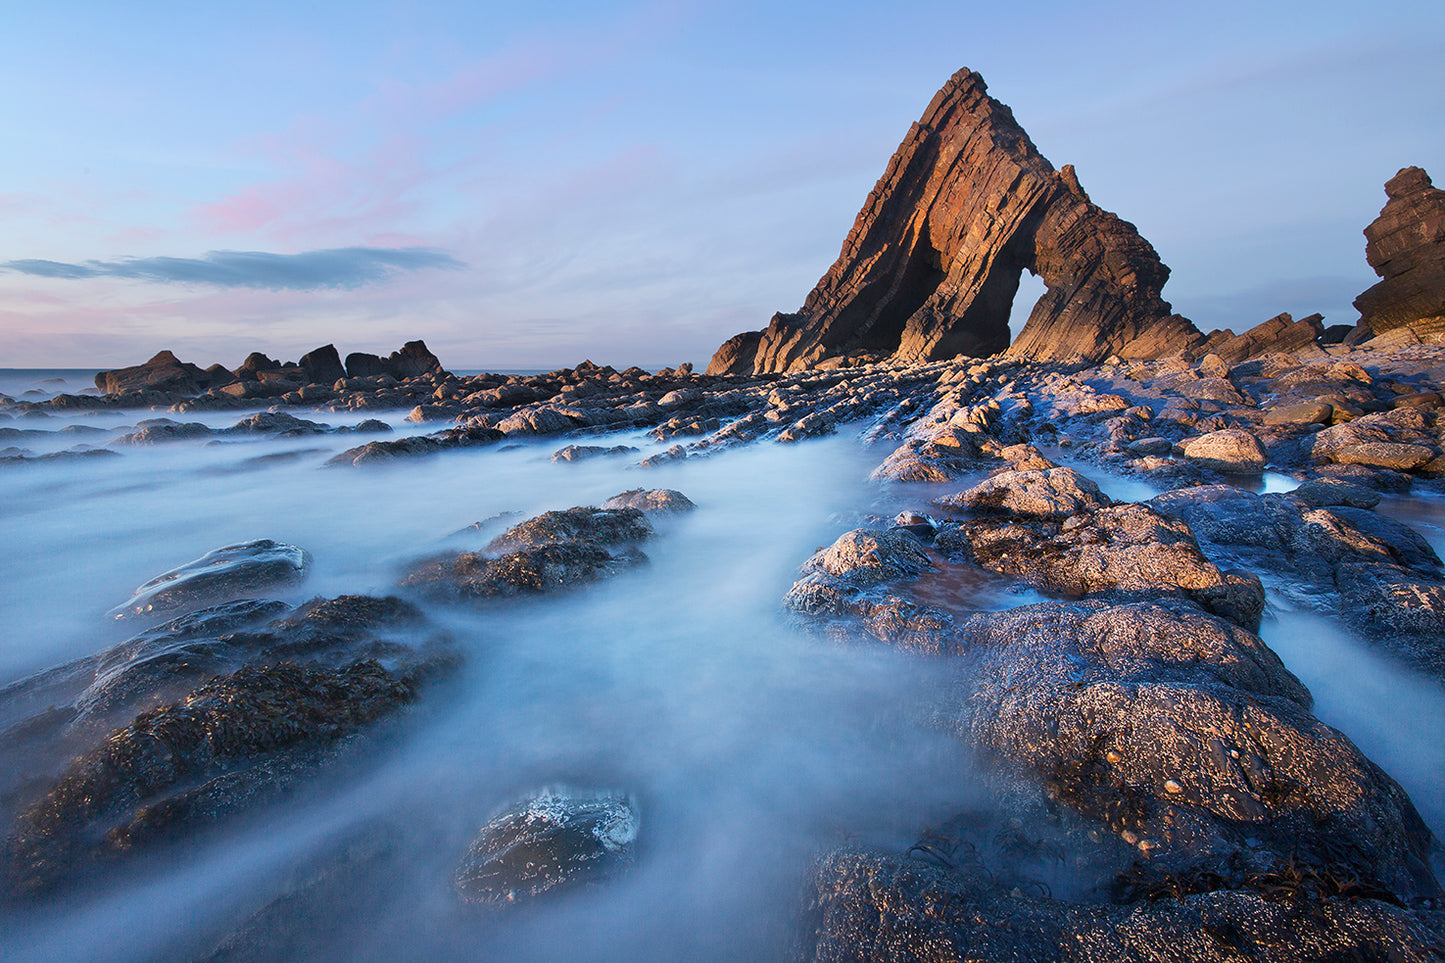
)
(635, 182)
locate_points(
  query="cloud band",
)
(344, 267)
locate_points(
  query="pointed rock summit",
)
(1406, 247)
(933, 262)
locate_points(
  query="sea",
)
(751, 745)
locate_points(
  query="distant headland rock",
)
(932, 264)
(262, 377)
(1406, 247)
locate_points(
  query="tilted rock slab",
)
(933, 262)
(1406, 247)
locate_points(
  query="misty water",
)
(750, 745)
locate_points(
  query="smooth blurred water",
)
(750, 744)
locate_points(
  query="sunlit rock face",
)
(1406, 247)
(933, 262)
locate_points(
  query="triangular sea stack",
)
(933, 262)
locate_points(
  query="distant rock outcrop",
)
(413, 359)
(164, 372)
(933, 262)
(1406, 247)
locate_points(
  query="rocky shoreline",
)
(1140, 745)
(1139, 731)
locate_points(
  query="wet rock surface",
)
(283, 696)
(558, 838)
(872, 906)
(225, 572)
(553, 551)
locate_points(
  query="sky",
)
(529, 185)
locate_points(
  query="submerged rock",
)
(558, 837)
(555, 550)
(226, 572)
(238, 739)
(546, 568)
(597, 526)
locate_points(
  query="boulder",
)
(1406, 247)
(224, 573)
(867, 556)
(558, 837)
(1054, 493)
(597, 526)
(1127, 551)
(362, 365)
(1232, 450)
(255, 363)
(1188, 734)
(656, 500)
(932, 264)
(411, 360)
(530, 571)
(323, 365)
(581, 452)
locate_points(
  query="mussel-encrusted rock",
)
(236, 740)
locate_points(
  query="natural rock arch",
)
(932, 264)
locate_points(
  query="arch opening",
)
(1031, 288)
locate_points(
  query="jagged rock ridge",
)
(932, 264)
(1406, 247)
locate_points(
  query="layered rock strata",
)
(1406, 247)
(932, 264)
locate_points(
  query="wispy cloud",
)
(345, 267)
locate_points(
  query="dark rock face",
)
(557, 837)
(164, 372)
(411, 360)
(932, 264)
(323, 366)
(1406, 247)
(224, 573)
